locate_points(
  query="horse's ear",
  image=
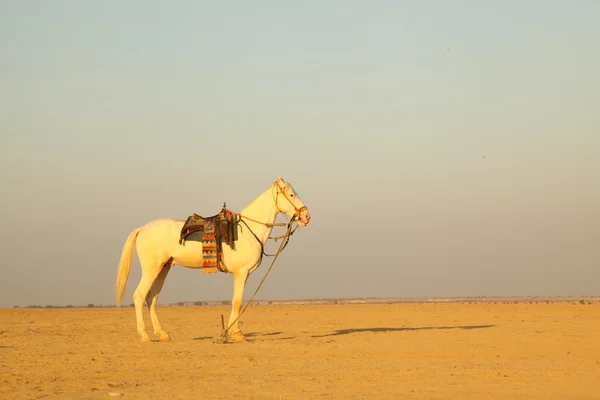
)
(280, 180)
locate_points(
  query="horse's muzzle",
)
(304, 217)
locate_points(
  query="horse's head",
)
(288, 202)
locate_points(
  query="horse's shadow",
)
(205, 338)
(388, 329)
(255, 335)
(276, 335)
(252, 334)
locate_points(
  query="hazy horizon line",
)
(413, 299)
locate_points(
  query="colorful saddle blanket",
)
(211, 232)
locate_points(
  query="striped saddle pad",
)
(211, 232)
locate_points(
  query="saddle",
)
(212, 232)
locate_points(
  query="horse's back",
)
(163, 222)
(160, 238)
(156, 231)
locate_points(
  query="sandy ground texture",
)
(395, 351)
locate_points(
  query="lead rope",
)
(224, 337)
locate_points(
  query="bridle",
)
(281, 190)
(289, 231)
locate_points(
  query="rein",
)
(280, 190)
(289, 233)
(268, 225)
(276, 238)
(225, 333)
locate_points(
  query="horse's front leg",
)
(239, 282)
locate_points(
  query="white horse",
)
(158, 248)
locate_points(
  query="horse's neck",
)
(261, 209)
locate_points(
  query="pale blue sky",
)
(443, 148)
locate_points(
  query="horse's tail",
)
(124, 265)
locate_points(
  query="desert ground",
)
(343, 351)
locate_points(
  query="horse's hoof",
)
(238, 337)
(165, 337)
(145, 338)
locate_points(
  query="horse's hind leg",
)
(151, 268)
(152, 300)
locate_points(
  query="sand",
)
(403, 351)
